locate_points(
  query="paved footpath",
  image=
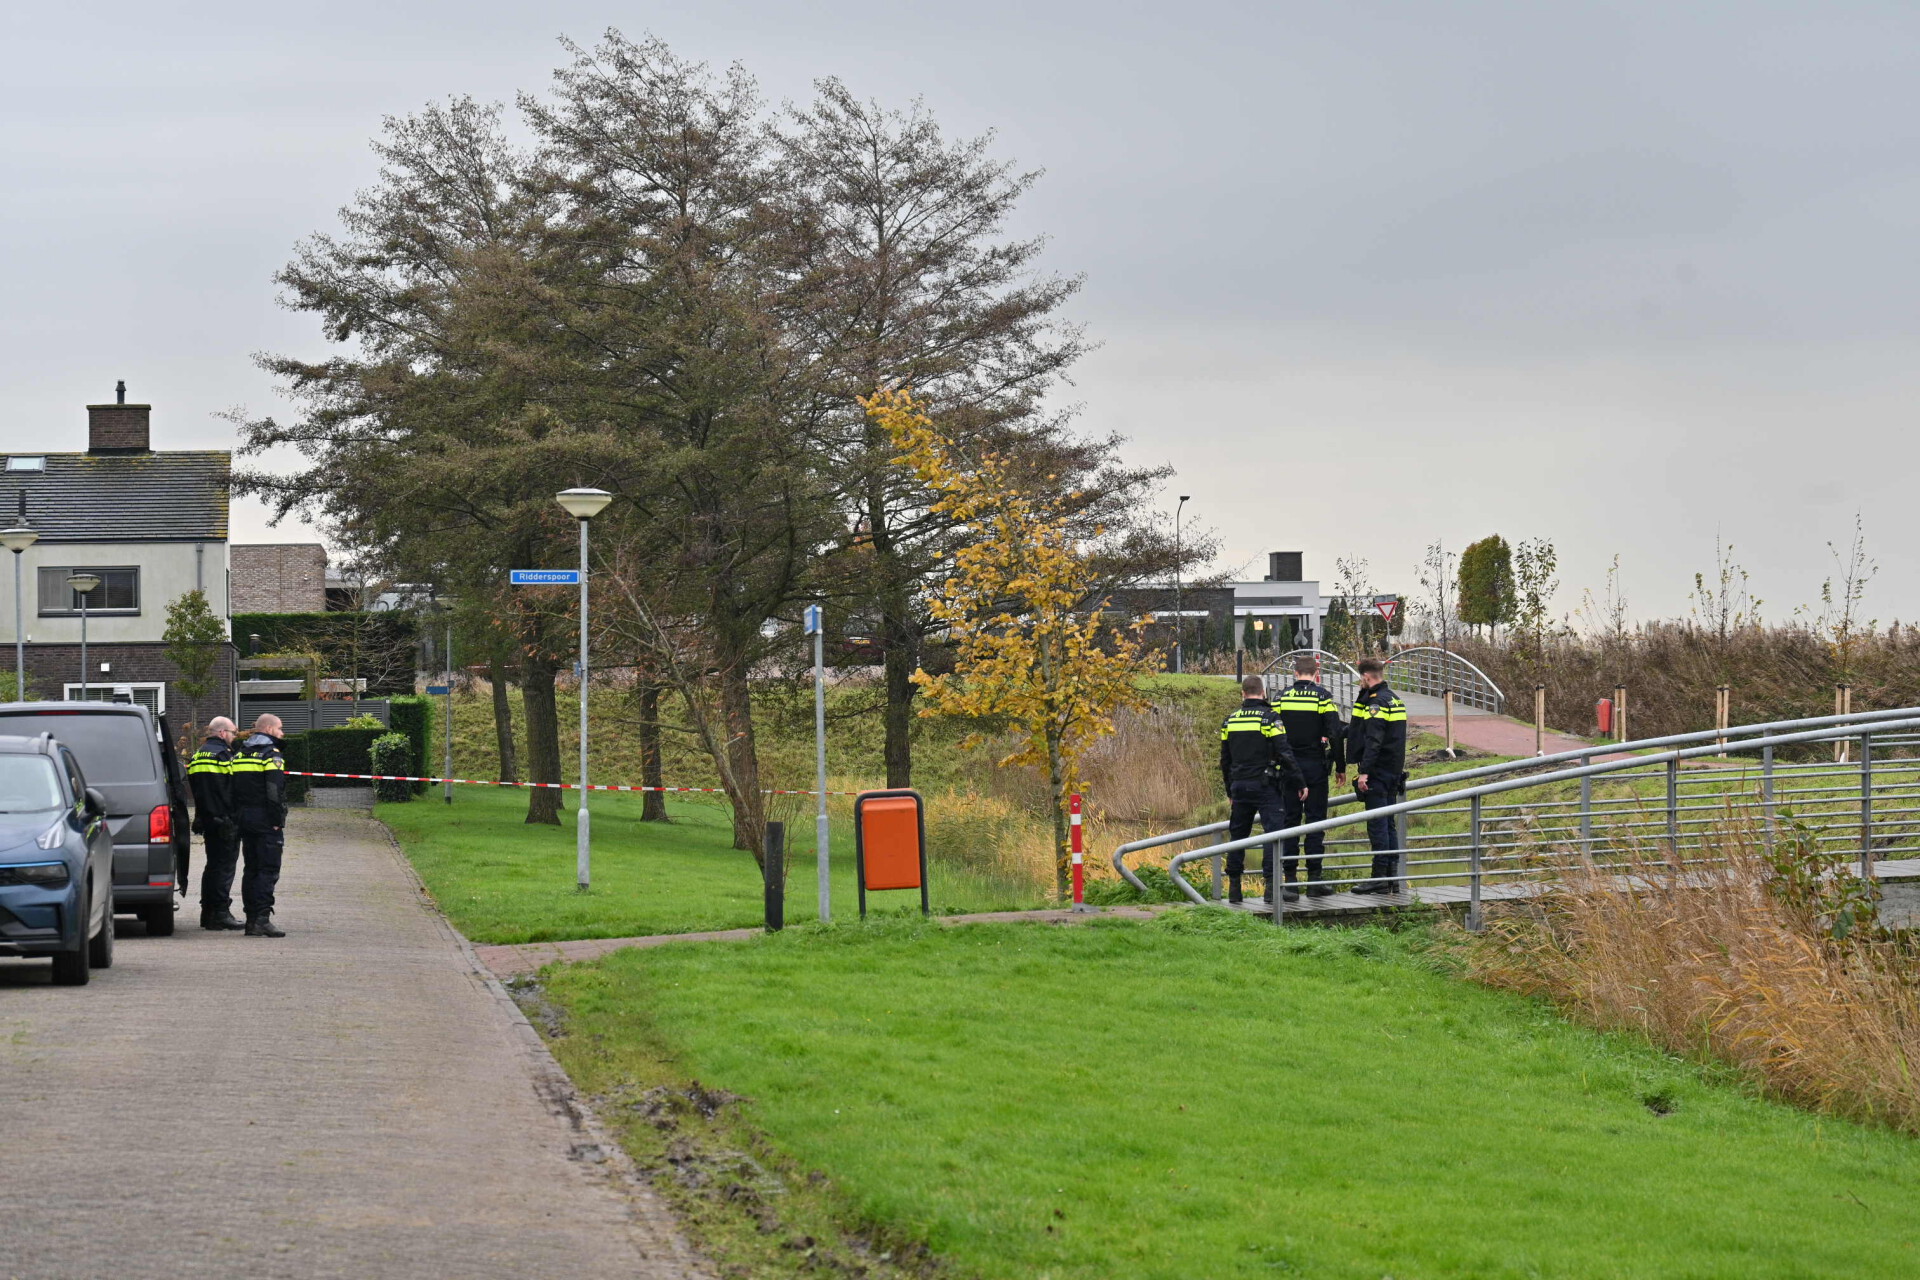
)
(354, 1100)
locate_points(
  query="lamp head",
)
(83, 582)
(584, 504)
(18, 538)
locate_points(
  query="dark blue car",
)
(56, 860)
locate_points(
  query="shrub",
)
(392, 753)
(364, 720)
(413, 716)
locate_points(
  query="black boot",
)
(1233, 889)
(219, 918)
(262, 926)
(1289, 894)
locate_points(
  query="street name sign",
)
(812, 616)
(544, 577)
(440, 690)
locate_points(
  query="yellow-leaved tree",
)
(1032, 646)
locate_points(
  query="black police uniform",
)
(210, 777)
(1377, 748)
(1255, 765)
(260, 796)
(1318, 740)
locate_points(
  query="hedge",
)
(329, 751)
(413, 716)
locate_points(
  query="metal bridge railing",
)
(1339, 677)
(1433, 672)
(1462, 843)
(1435, 836)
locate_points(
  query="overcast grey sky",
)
(1620, 275)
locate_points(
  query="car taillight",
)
(160, 824)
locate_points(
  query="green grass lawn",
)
(500, 880)
(1206, 1097)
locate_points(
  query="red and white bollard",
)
(1079, 848)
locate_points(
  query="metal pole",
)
(83, 646)
(1179, 603)
(583, 858)
(1473, 902)
(1866, 807)
(446, 754)
(821, 848)
(19, 636)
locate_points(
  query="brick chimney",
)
(119, 427)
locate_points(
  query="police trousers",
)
(262, 848)
(1383, 834)
(216, 877)
(1312, 809)
(1253, 799)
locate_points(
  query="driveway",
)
(355, 1099)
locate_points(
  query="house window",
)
(118, 592)
(27, 462)
(150, 694)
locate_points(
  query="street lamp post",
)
(17, 540)
(83, 584)
(1179, 604)
(583, 505)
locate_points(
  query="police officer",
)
(210, 777)
(1318, 740)
(259, 774)
(1377, 750)
(1255, 765)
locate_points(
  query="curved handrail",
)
(1335, 672)
(1422, 665)
(1911, 720)
(1530, 764)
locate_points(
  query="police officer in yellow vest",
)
(1255, 764)
(260, 796)
(1377, 750)
(210, 778)
(1312, 721)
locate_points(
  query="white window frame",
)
(71, 691)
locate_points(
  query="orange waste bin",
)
(890, 843)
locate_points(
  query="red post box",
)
(1603, 712)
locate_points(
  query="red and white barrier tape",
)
(557, 786)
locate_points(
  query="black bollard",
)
(773, 869)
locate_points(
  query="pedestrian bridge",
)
(1422, 677)
(1850, 784)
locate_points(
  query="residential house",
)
(151, 524)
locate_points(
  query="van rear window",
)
(112, 747)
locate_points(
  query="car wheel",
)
(159, 919)
(70, 967)
(100, 947)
